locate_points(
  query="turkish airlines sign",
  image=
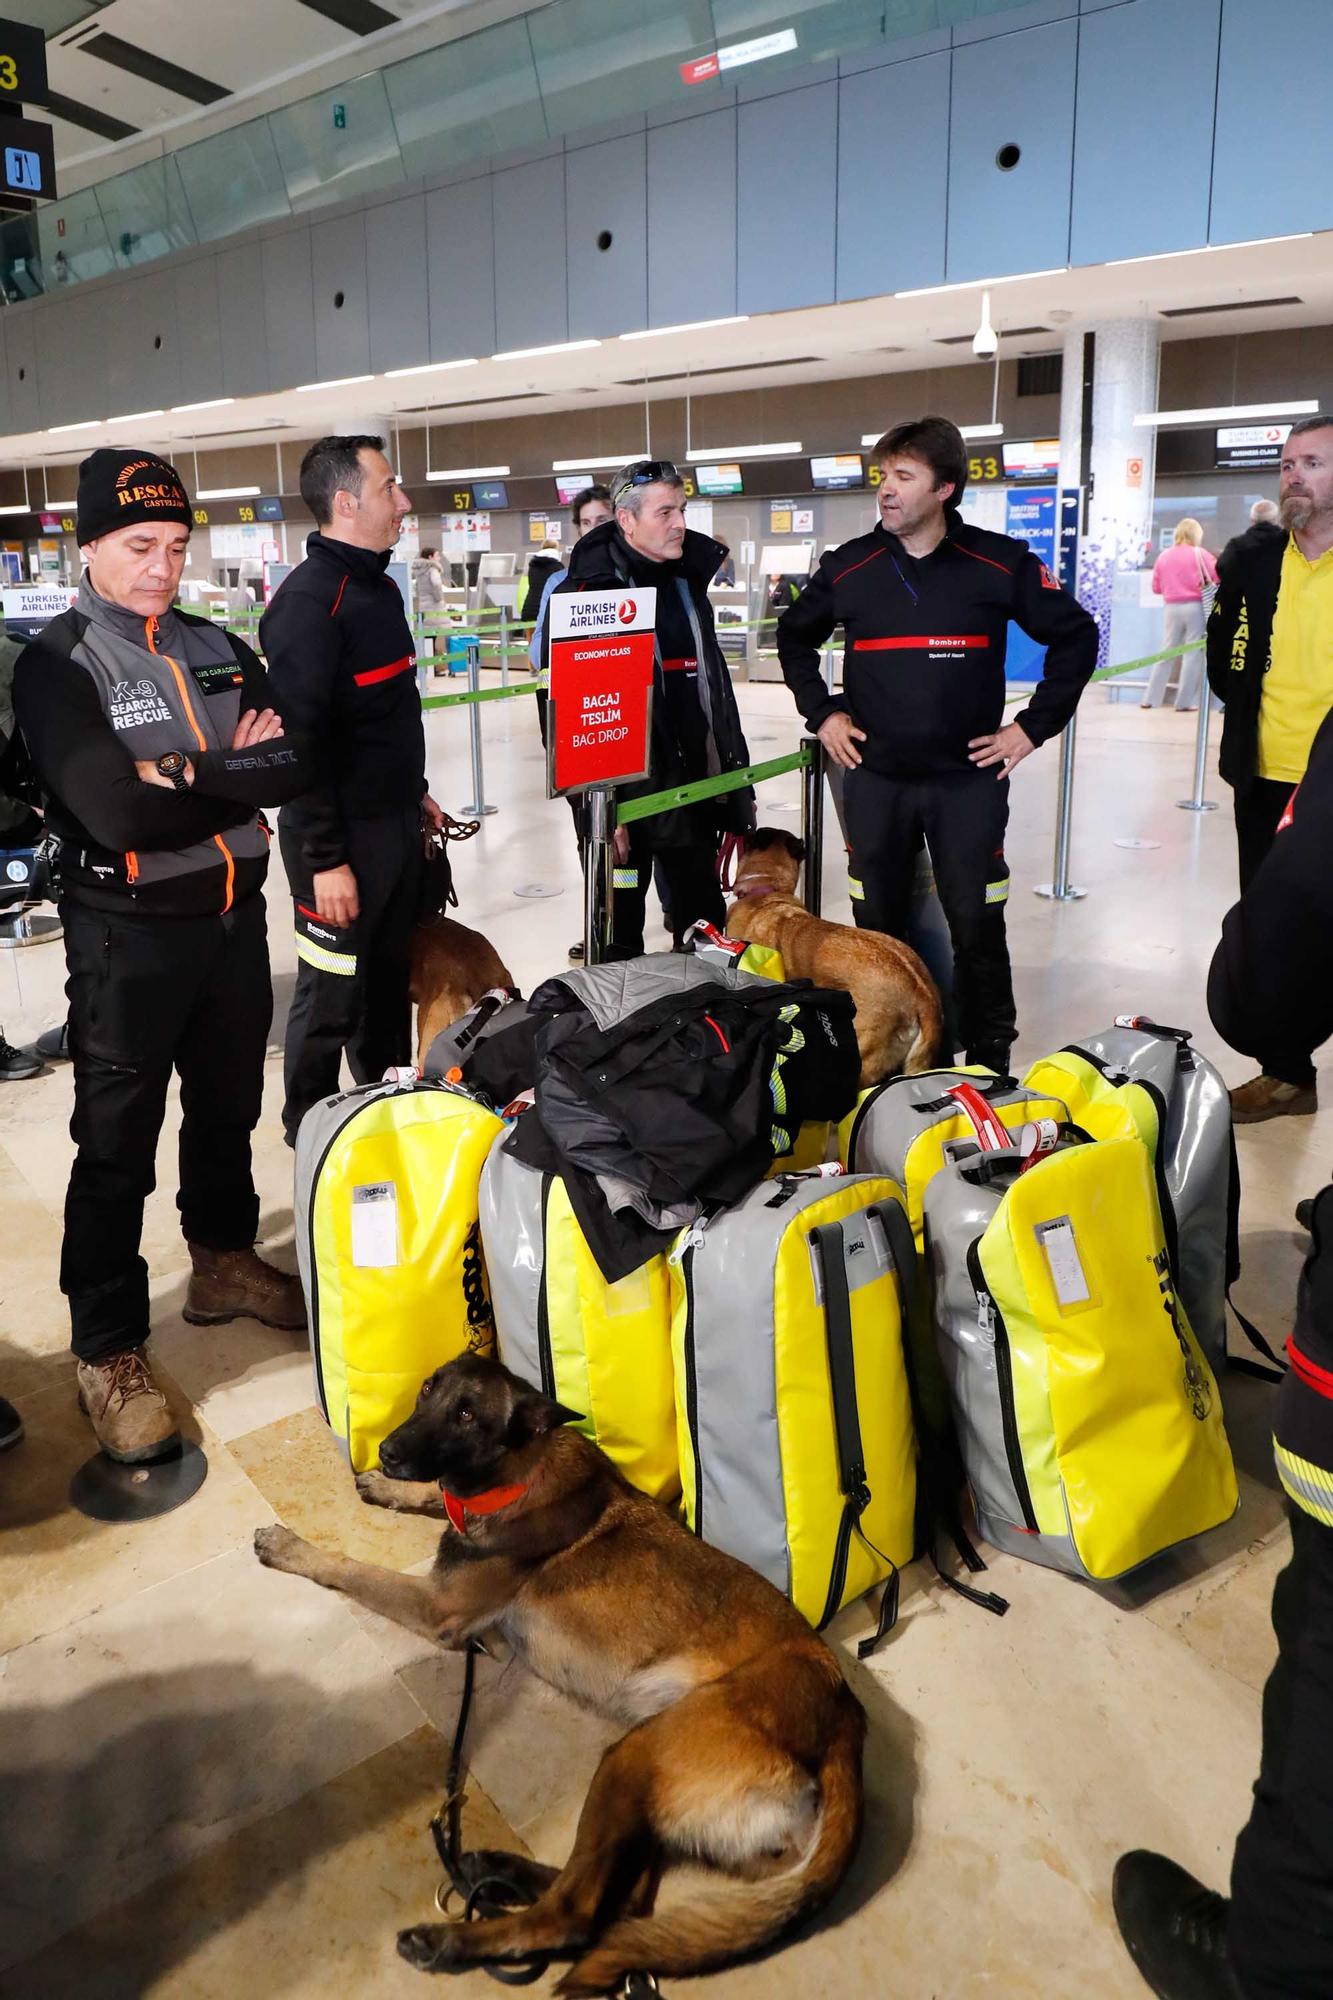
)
(600, 713)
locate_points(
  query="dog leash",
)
(477, 1894)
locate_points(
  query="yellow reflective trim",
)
(1308, 1485)
(998, 892)
(624, 878)
(323, 960)
(855, 889)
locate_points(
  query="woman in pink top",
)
(1180, 576)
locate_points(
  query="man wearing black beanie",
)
(155, 741)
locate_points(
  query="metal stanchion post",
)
(504, 646)
(1061, 890)
(598, 872)
(478, 809)
(812, 826)
(1197, 803)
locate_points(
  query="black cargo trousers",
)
(149, 995)
(352, 983)
(962, 817)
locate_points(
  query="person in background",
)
(428, 586)
(1270, 660)
(542, 566)
(1271, 981)
(155, 741)
(925, 601)
(1180, 577)
(726, 575)
(696, 725)
(342, 664)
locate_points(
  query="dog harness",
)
(493, 1501)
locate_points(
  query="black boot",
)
(989, 1055)
(11, 1424)
(1174, 1929)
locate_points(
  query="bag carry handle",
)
(990, 1132)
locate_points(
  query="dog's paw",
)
(429, 1947)
(377, 1490)
(277, 1547)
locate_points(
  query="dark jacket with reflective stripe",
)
(343, 668)
(101, 688)
(1240, 641)
(923, 666)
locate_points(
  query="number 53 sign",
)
(22, 64)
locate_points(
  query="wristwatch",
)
(171, 764)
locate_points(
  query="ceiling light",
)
(137, 417)
(22, 507)
(598, 464)
(211, 403)
(59, 506)
(981, 430)
(1204, 249)
(339, 382)
(686, 326)
(555, 347)
(973, 284)
(228, 493)
(718, 454)
(1236, 412)
(88, 424)
(985, 341)
(471, 472)
(427, 368)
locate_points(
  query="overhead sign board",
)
(22, 64)
(1037, 458)
(1251, 444)
(601, 688)
(844, 469)
(27, 160)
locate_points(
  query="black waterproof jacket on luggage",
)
(666, 1087)
(1240, 642)
(603, 560)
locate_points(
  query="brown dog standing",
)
(744, 1741)
(898, 1016)
(452, 967)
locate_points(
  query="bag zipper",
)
(991, 1322)
(545, 1357)
(692, 1386)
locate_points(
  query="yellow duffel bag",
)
(389, 1248)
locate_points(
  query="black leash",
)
(477, 1893)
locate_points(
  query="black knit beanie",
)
(121, 489)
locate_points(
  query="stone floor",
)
(217, 1780)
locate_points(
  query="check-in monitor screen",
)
(569, 485)
(832, 475)
(1038, 458)
(488, 493)
(716, 481)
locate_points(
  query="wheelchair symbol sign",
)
(23, 170)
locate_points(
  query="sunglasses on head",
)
(647, 472)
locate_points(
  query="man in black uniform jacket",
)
(342, 665)
(924, 601)
(155, 741)
(696, 726)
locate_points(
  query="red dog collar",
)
(492, 1502)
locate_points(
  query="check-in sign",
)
(600, 716)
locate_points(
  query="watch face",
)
(171, 763)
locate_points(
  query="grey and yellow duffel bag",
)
(794, 1416)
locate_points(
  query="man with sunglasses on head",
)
(696, 728)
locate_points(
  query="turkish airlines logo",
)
(628, 611)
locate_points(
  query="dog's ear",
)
(794, 845)
(533, 1415)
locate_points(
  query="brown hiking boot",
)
(1265, 1097)
(130, 1416)
(238, 1284)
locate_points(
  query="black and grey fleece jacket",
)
(100, 688)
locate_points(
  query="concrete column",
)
(1118, 510)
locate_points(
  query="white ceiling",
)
(870, 337)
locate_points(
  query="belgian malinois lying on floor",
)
(744, 1742)
(898, 1017)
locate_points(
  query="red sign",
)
(601, 687)
(700, 69)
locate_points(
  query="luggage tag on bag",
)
(375, 1226)
(1063, 1262)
